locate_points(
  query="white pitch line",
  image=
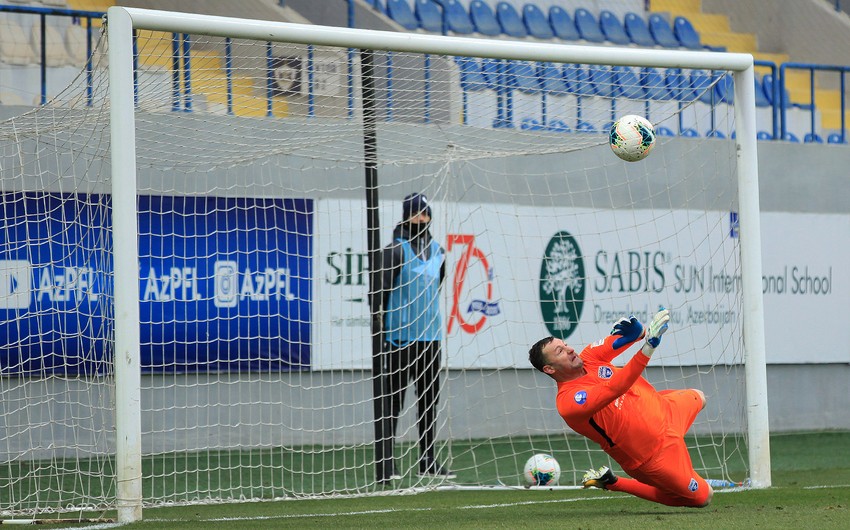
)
(826, 487)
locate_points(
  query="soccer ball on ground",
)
(541, 470)
(632, 138)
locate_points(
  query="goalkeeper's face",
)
(562, 361)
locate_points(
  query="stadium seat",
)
(764, 135)
(588, 26)
(471, 76)
(562, 24)
(653, 84)
(690, 133)
(724, 89)
(581, 82)
(812, 138)
(629, 83)
(530, 124)
(686, 34)
(791, 137)
(559, 126)
(400, 12)
(483, 18)
(715, 134)
(493, 72)
(429, 14)
(835, 138)
(523, 76)
(661, 31)
(638, 31)
(536, 22)
(585, 127)
(664, 131)
(510, 21)
(603, 80)
(613, 29)
(701, 84)
(761, 98)
(456, 17)
(770, 91)
(678, 84)
(551, 79)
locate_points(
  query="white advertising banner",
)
(515, 274)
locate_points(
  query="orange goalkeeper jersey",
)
(615, 407)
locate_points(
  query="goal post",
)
(208, 215)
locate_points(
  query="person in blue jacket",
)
(406, 296)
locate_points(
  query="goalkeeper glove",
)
(629, 330)
(653, 333)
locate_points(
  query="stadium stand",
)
(612, 28)
(588, 26)
(54, 45)
(429, 15)
(551, 79)
(662, 32)
(638, 31)
(522, 75)
(536, 22)
(483, 18)
(654, 85)
(472, 79)
(510, 21)
(686, 34)
(700, 82)
(563, 24)
(399, 10)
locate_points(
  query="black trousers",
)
(417, 362)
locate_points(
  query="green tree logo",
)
(562, 284)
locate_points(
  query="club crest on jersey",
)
(693, 485)
(605, 372)
(580, 397)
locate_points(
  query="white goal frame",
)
(122, 22)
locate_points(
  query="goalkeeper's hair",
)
(535, 354)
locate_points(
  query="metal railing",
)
(841, 71)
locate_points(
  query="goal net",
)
(186, 247)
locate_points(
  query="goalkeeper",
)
(640, 428)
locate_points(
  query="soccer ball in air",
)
(541, 470)
(631, 138)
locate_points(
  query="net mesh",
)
(256, 339)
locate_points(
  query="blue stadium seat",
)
(457, 19)
(812, 138)
(494, 72)
(471, 77)
(585, 127)
(429, 14)
(835, 138)
(562, 24)
(629, 83)
(662, 32)
(536, 22)
(678, 84)
(582, 84)
(764, 135)
(569, 75)
(588, 26)
(770, 90)
(523, 76)
(530, 124)
(686, 34)
(714, 133)
(551, 79)
(690, 133)
(761, 98)
(483, 18)
(724, 89)
(638, 31)
(603, 80)
(510, 20)
(700, 83)
(660, 130)
(399, 10)
(791, 137)
(613, 29)
(559, 126)
(653, 84)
